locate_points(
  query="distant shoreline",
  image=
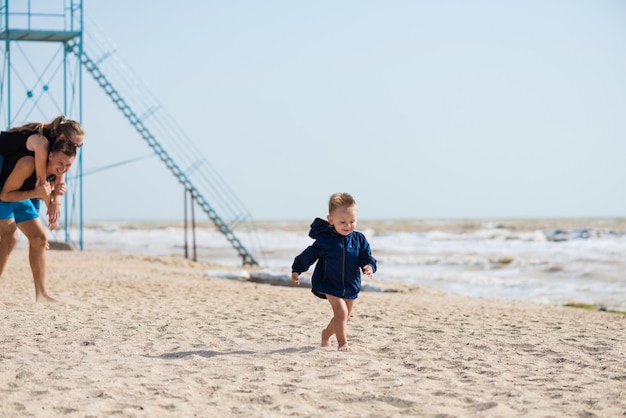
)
(401, 225)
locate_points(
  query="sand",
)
(154, 336)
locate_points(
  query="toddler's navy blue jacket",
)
(339, 261)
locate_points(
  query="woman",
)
(36, 139)
(19, 207)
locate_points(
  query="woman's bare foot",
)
(344, 347)
(325, 339)
(45, 299)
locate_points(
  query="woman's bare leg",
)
(8, 240)
(38, 244)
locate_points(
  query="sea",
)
(553, 261)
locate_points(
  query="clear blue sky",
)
(420, 109)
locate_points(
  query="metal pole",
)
(80, 115)
(185, 209)
(193, 227)
(8, 64)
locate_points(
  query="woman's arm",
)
(54, 202)
(23, 170)
(58, 189)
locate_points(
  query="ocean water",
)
(552, 261)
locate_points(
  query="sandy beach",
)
(155, 336)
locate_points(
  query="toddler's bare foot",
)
(325, 339)
(344, 347)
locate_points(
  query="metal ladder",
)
(102, 80)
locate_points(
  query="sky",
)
(419, 109)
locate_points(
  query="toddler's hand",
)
(368, 270)
(295, 278)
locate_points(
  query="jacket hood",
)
(318, 227)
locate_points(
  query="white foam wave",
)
(488, 261)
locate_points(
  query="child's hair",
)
(65, 146)
(61, 125)
(339, 200)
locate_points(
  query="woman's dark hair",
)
(65, 146)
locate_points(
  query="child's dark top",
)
(15, 142)
(13, 148)
(339, 261)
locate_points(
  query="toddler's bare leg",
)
(341, 311)
(327, 332)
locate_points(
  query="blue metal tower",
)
(44, 56)
(41, 79)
